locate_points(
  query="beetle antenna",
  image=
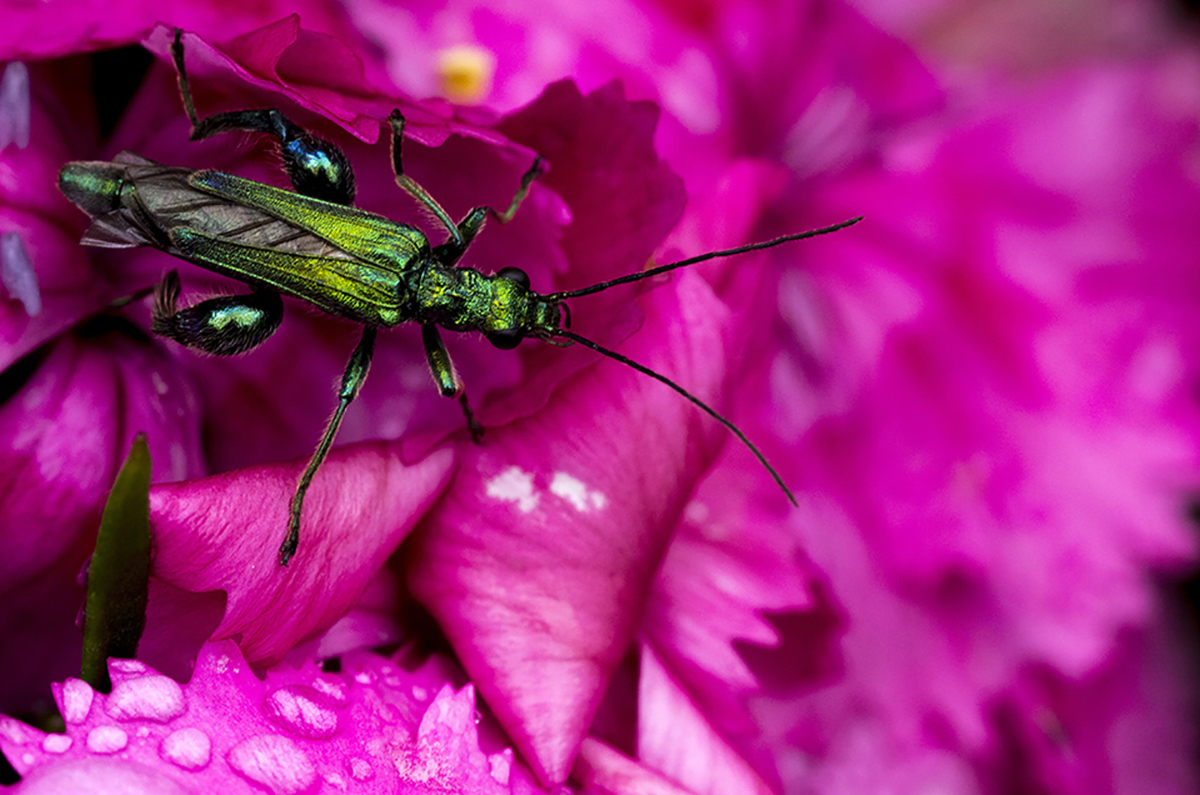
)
(707, 409)
(683, 263)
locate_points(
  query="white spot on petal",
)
(514, 485)
(575, 492)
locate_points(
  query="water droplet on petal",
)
(189, 748)
(56, 743)
(155, 697)
(297, 709)
(122, 666)
(334, 692)
(361, 769)
(420, 693)
(107, 739)
(77, 698)
(274, 762)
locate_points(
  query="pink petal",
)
(676, 738)
(39, 32)
(603, 769)
(732, 577)
(539, 565)
(224, 532)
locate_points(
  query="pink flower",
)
(980, 394)
(229, 731)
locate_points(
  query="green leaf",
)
(119, 575)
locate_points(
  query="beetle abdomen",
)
(94, 186)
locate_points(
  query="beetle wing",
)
(347, 288)
(359, 233)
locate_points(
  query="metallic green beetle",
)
(311, 244)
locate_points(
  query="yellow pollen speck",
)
(465, 72)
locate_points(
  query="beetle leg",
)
(446, 377)
(410, 186)
(352, 381)
(223, 326)
(316, 167)
(452, 250)
(536, 170)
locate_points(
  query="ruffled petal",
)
(223, 533)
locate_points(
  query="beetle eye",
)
(515, 275)
(505, 340)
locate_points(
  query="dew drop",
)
(56, 743)
(360, 769)
(188, 748)
(296, 709)
(123, 666)
(77, 698)
(420, 693)
(274, 762)
(334, 692)
(155, 697)
(107, 739)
